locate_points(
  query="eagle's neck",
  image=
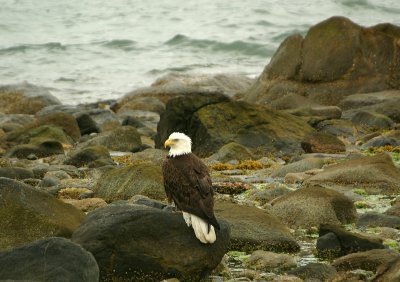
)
(176, 153)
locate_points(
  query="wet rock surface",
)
(143, 243)
(314, 140)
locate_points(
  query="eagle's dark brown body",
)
(188, 183)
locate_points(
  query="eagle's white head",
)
(179, 144)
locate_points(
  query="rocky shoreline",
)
(305, 162)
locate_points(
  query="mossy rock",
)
(25, 98)
(58, 126)
(262, 130)
(28, 214)
(64, 120)
(232, 151)
(41, 150)
(213, 121)
(375, 174)
(321, 142)
(336, 58)
(254, 229)
(137, 179)
(312, 206)
(92, 156)
(123, 138)
(372, 120)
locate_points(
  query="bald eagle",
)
(188, 184)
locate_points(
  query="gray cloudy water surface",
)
(90, 50)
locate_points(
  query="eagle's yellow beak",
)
(168, 143)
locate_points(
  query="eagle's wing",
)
(188, 183)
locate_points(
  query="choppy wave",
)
(367, 5)
(242, 47)
(180, 69)
(27, 47)
(122, 44)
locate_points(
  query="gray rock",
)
(269, 261)
(105, 119)
(320, 142)
(263, 196)
(49, 259)
(147, 244)
(232, 151)
(92, 156)
(338, 127)
(16, 173)
(325, 112)
(383, 102)
(317, 271)
(86, 124)
(376, 174)
(378, 220)
(328, 246)
(372, 120)
(299, 166)
(310, 207)
(255, 229)
(156, 156)
(388, 272)
(29, 214)
(123, 138)
(49, 182)
(137, 179)
(9, 122)
(41, 150)
(350, 242)
(368, 260)
(381, 141)
(394, 209)
(25, 98)
(326, 65)
(212, 122)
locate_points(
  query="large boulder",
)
(41, 149)
(92, 156)
(25, 98)
(86, 124)
(140, 243)
(49, 259)
(314, 271)
(376, 174)
(59, 126)
(321, 142)
(388, 272)
(232, 151)
(255, 229)
(18, 173)
(124, 182)
(349, 242)
(336, 58)
(383, 102)
(123, 138)
(310, 207)
(28, 214)
(212, 123)
(373, 219)
(299, 166)
(270, 261)
(372, 120)
(368, 260)
(155, 97)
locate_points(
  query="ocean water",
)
(90, 50)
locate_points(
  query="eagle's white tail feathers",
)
(186, 217)
(200, 228)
